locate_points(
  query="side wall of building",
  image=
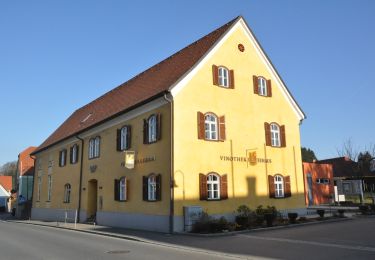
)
(99, 175)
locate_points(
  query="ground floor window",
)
(279, 186)
(49, 191)
(152, 187)
(212, 186)
(67, 190)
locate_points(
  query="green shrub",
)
(292, 216)
(207, 224)
(269, 214)
(245, 216)
(341, 212)
(364, 209)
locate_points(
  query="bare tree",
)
(348, 150)
(9, 169)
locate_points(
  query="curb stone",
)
(233, 233)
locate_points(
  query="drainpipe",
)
(80, 180)
(32, 190)
(171, 179)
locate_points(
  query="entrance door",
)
(309, 189)
(92, 199)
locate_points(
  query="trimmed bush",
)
(364, 209)
(246, 217)
(341, 213)
(207, 224)
(292, 217)
(321, 212)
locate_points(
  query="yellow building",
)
(212, 126)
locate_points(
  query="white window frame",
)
(91, 148)
(74, 154)
(262, 86)
(223, 77)
(39, 188)
(275, 135)
(211, 127)
(97, 147)
(151, 188)
(322, 181)
(62, 158)
(123, 134)
(279, 186)
(152, 131)
(49, 191)
(213, 186)
(122, 189)
(67, 192)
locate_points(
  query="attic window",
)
(86, 118)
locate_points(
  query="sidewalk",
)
(154, 237)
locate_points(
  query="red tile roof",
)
(6, 182)
(25, 162)
(150, 84)
(342, 167)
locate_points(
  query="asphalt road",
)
(352, 239)
(20, 241)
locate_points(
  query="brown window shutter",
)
(271, 186)
(224, 187)
(127, 189)
(267, 130)
(255, 84)
(71, 154)
(202, 186)
(60, 155)
(201, 127)
(222, 128)
(231, 79)
(65, 155)
(145, 188)
(287, 190)
(118, 140)
(215, 75)
(128, 137)
(158, 126)
(145, 131)
(117, 189)
(77, 154)
(282, 136)
(158, 187)
(269, 88)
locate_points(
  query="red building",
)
(319, 186)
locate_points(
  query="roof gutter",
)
(171, 173)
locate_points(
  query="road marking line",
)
(360, 248)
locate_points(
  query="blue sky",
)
(56, 56)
